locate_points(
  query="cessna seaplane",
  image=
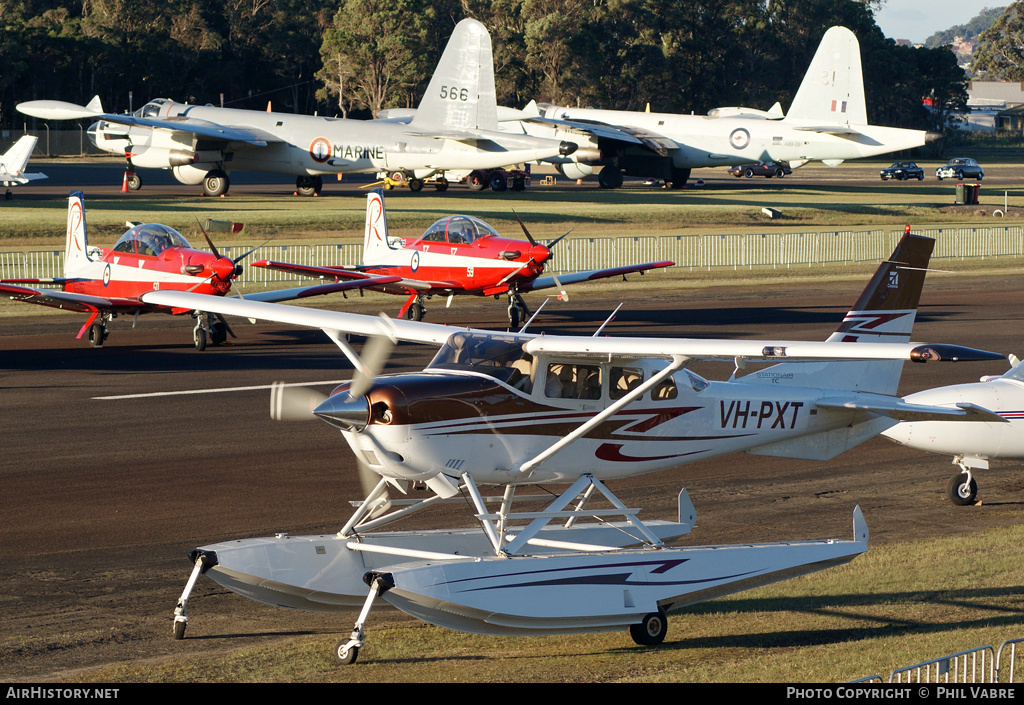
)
(517, 409)
(971, 445)
(106, 283)
(455, 130)
(457, 255)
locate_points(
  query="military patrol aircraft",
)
(505, 408)
(14, 161)
(827, 122)
(458, 255)
(971, 445)
(148, 257)
(455, 128)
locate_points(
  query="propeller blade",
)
(223, 320)
(375, 356)
(561, 289)
(293, 403)
(243, 256)
(558, 239)
(213, 248)
(523, 226)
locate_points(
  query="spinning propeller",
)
(550, 251)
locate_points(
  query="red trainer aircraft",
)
(149, 257)
(457, 255)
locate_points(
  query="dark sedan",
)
(767, 170)
(901, 171)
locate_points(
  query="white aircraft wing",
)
(435, 334)
(61, 110)
(902, 411)
(841, 130)
(767, 350)
(409, 331)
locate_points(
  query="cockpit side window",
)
(569, 381)
(624, 380)
(150, 239)
(498, 356)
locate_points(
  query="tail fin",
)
(461, 94)
(14, 159)
(833, 87)
(76, 247)
(376, 244)
(884, 313)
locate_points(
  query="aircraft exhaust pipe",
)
(567, 148)
(933, 137)
(588, 155)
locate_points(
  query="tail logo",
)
(375, 214)
(894, 279)
(74, 221)
(739, 138)
(838, 106)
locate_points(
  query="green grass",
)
(895, 606)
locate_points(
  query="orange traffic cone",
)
(124, 183)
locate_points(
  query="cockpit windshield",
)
(458, 230)
(150, 239)
(1015, 373)
(498, 356)
(151, 109)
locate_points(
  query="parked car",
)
(901, 171)
(767, 170)
(960, 168)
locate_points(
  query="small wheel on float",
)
(651, 630)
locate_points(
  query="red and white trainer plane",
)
(149, 257)
(457, 255)
(504, 409)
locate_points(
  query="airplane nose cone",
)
(92, 132)
(345, 412)
(539, 254)
(223, 268)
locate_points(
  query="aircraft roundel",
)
(106, 275)
(415, 264)
(739, 138)
(320, 150)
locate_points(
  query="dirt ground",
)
(104, 497)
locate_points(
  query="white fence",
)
(774, 249)
(982, 664)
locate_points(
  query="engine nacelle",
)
(160, 157)
(193, 174)
(575, 170)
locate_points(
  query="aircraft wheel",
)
(651, 630)
(513, 317)
(134, 181)
(199, 337)
(441, 184)
(416, 185)
(344, 654)
(216, 183)
(306, 186)
(960, 491)
(179, 630)
(97, 335)
(610, 177)
(415, 312)
(681, 176)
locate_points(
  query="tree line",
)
(353, 58)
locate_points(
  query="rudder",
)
(376, 245)
(16, 158)
(76, 245)
(461, 93)
(832, 90)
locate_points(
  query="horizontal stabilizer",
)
(903, 411)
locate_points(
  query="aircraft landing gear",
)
(651, 630)
(216, 183)
(207, 331)
(309, 185)
(416, 310)
(347, 650)
(963, 488)
(517, 310)
(98, 333)
(201, 562)
(133, 181)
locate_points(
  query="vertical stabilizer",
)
(461, 94)
(884, 313)
(376, 245)
(76, 247)
(833, 87)
(15, 159)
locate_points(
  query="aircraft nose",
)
(539, 253)
(93, 132)
(345, 412)
(223, 268)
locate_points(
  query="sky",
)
(917, 20)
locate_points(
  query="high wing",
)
(434, 334)
(577, 277)
(62, 110)
(402, 285)
(626, 135)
